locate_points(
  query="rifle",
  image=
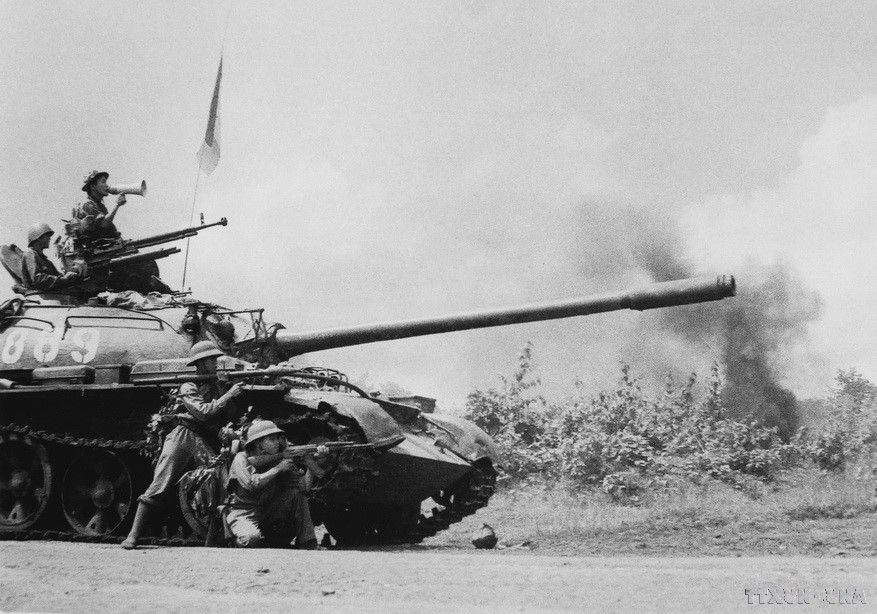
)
(299, 453)
(237, 375)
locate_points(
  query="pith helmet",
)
(92, 177)
(203, 349)
(38, 230)
(261, 429)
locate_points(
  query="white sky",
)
(388, 160)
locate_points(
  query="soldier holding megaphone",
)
(92, 230)
(91, 218)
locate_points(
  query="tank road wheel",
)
(97, 496)
(25, 482)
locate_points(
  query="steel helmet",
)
(38, 230)
(203, 349)
(92, 177)
(260, 429)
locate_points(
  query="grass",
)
(709, 518)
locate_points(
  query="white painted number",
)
(14, 346)
(86, 339)
(46, 348)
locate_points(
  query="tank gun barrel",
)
(664, 294)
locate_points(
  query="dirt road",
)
(66, 577)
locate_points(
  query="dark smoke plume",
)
(754, 331)
(770, 314)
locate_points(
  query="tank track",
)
(69, 440)
(480, 487)
(71, 535)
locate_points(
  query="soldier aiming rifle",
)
(267, 502)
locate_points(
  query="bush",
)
(609, 439)
(844, 426)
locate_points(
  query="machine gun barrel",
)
(133, 258)
(176, 235)
(664, 294)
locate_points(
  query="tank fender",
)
(375, 423)
(472, 442)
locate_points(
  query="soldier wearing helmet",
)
(38, 272)
(91, 218)
(267, 502)
(207, 407)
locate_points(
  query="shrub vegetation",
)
(629, 441)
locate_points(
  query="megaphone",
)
(129, 188)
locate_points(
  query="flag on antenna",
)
(208, 155)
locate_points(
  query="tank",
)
(81, 378)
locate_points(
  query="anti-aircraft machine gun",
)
(79, 381)
(121, 251)
(109, 256)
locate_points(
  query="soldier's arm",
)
(40, 279)
(204, 410)
(264, 461)
(107, 220)
(248, 478)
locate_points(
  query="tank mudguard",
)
(375, 423)
(472, 442)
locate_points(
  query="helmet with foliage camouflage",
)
(92, 177)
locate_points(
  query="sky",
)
(391, 160)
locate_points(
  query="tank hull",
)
(73, 414)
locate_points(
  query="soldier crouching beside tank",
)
(192, 440)
(267, 502)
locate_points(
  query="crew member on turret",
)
(92, 220)
(38, 272)
(93, 223)
(208, 407)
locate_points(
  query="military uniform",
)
(191, 441)
(267, 510)
(87, 221)
(39, 273)
(207, 407)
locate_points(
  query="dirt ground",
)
(71, 577)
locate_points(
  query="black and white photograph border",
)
(455, 306)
